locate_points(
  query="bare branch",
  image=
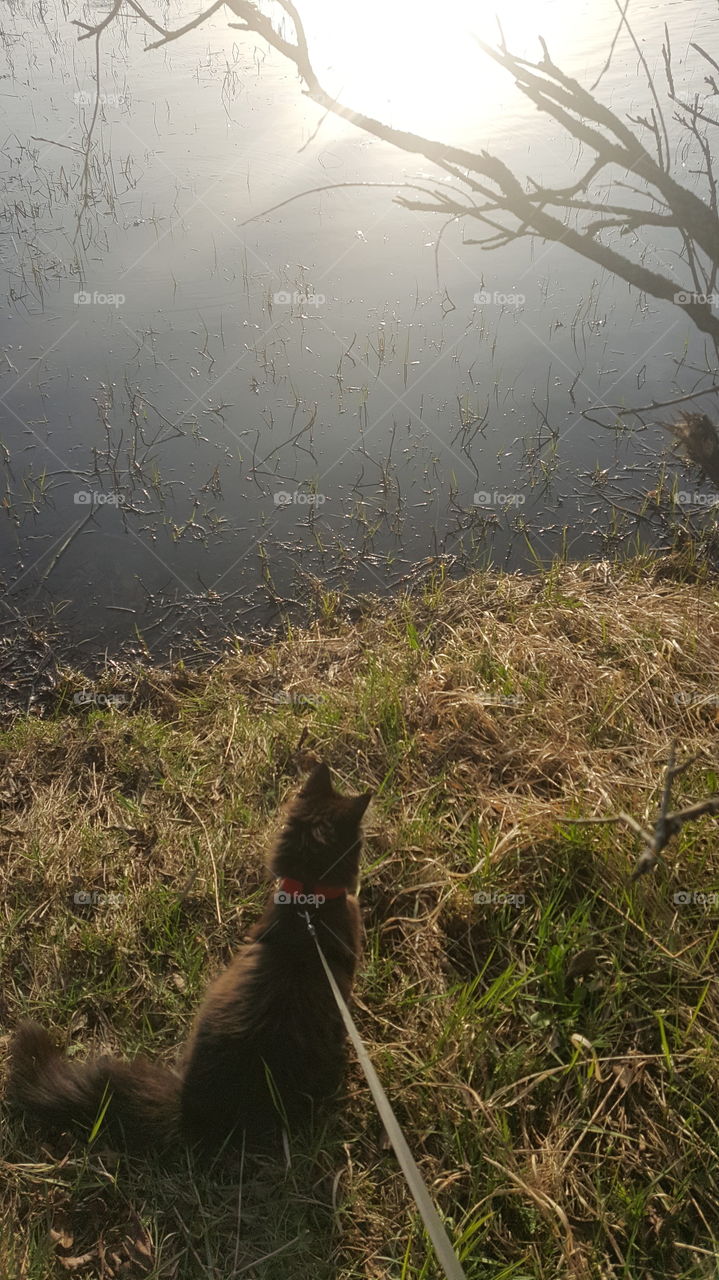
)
(95, 31)
(666, 825)
(526, 211)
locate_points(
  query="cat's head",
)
(320, 841)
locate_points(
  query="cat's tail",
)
(135, 1102)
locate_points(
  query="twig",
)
(666, 825)
(70, 538)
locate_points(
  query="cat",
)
(268, 1040)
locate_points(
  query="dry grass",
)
(550, 1049)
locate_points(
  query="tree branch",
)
(580, 114)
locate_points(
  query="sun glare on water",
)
(416, 64)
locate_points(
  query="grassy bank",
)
(546, 1030)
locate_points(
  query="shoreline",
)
(38, 661)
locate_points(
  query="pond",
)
(214, 410)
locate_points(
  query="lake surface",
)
(205, 419)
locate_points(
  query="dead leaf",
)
(73, 1264)
(140, 1244)
(627, 1072)
(62, 1238)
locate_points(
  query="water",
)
(204, 419)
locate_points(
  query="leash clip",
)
(310, 925)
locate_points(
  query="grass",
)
(546, 1031)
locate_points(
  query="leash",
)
(446, 1256)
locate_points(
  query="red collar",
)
(324, 891)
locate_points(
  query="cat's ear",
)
(319, 783)
(358, 804)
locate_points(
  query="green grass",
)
(565, 1118)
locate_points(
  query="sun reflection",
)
(415, 64)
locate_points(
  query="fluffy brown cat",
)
(268, 1040)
